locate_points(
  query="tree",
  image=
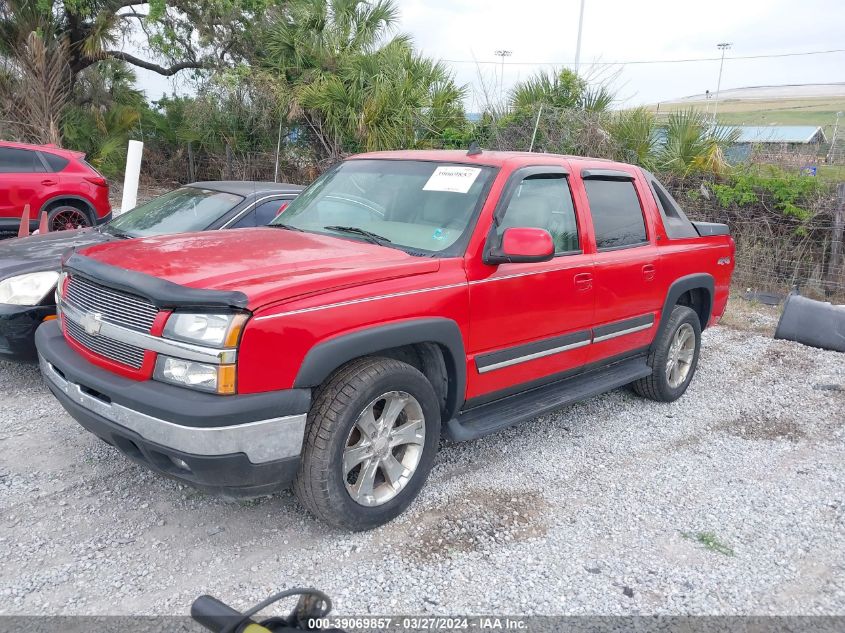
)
(182, 35)
(355, 83)
(692, 143)
(636, 135)
(105, 112)
(560, 89)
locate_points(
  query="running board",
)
(500, 414)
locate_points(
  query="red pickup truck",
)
(402, 296)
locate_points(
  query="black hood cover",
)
(44, 252)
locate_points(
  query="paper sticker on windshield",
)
(452, 179)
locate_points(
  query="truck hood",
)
(44, 252)
(267, 265)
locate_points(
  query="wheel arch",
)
(435, 343)
(87, 204)
(695, 291)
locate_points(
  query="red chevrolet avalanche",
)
(402, 296)
(52, 180)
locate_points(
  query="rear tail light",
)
(97, 180)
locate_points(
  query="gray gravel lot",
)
(729, 501)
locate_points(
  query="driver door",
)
(530, 322)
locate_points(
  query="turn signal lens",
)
(226, 376)
(235, 329)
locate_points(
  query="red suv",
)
(50, 179)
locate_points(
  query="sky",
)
(545, 31)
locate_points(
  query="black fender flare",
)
(696, 281)
(327, 356)
(88, 205)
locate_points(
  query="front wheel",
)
(673, 358)
(370, 442)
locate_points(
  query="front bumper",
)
(17, 330)
(241, 446)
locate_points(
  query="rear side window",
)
(617, 215)
(674, 220)
(56, 163)
(262, 215)
(19, 161)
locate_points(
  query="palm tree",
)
(692, 143)
(353, 81)
(636, 136)
(560, 89)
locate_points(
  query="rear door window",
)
(19, 161)
(617, 214)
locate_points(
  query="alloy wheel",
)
(384, 448)
(68, 218)
(680, 356)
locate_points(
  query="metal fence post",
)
(192, 170)
(836, 265)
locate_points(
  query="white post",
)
(536, 125)
(130, 178)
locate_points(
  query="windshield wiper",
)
(286, 226)
(123, 235)
(374, 238)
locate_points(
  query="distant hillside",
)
(808, 104)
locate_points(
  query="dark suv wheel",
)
(370, 442)
(65, 216)
(673, 358)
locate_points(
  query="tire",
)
(337, 415)
(64, 216)
(664, 383)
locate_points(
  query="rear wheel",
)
(370, 442)
(65, 217)
(673, 358)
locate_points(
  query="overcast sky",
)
(625, 30)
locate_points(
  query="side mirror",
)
(522, 246)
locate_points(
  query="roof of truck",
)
(485, 157)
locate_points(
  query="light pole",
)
(723, 46)
(502, 53)
(831, 153)
(578, 41)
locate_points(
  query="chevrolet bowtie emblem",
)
(92, 323)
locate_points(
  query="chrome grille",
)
(118, 308)
(115, 350)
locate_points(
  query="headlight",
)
(29, 289)
(217, 330)
(186, 373)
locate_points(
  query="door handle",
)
(583, 281)
(48, 183)
(649, 272)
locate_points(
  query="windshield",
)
(415, 205)
(178, 211)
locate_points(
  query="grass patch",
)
(709, 541)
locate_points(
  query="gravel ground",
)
(729, 501)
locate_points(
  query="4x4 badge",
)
(92, 323)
